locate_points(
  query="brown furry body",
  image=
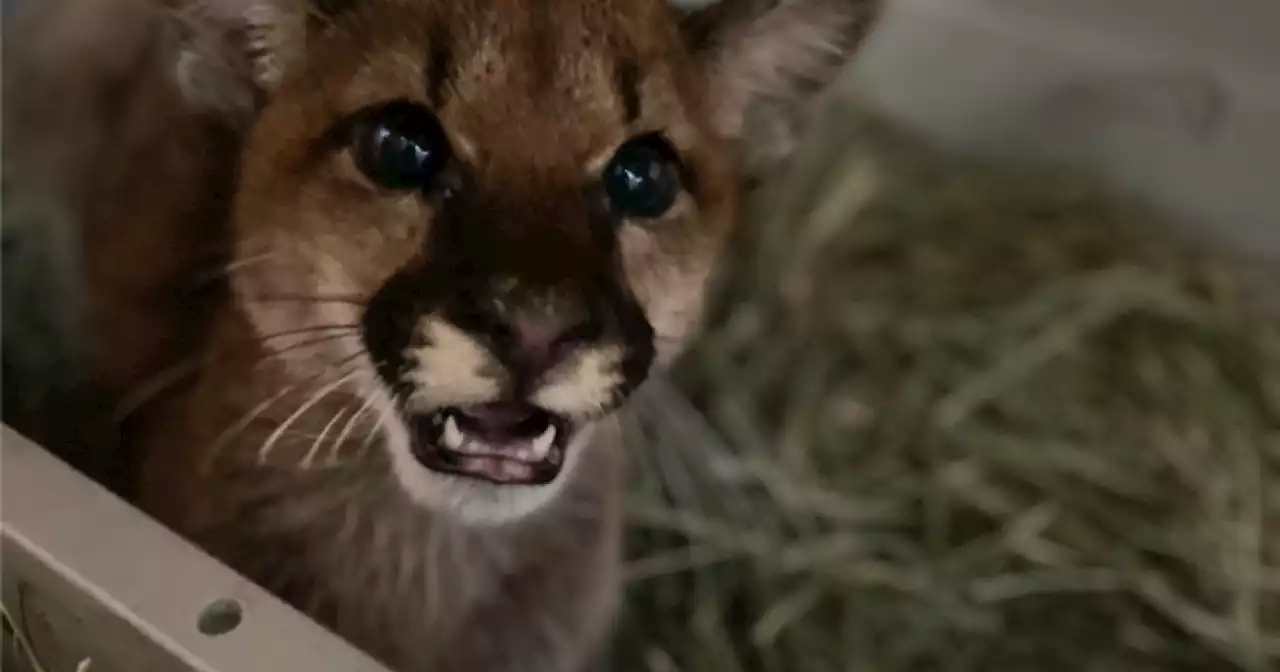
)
(290, 455)
(419, 591)
(87, 86)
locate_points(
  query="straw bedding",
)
(951, 414)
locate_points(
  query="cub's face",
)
(485, 221)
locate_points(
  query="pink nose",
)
(537, 343)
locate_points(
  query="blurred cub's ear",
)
(230, 54)
(767, 67)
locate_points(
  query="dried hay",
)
(953, 414)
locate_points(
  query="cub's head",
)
(502, 213)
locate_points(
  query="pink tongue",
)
(498, 469)
(499, 413)
(502, 422)
(514, 451)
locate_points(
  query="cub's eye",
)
(643, 177)
(401, 146)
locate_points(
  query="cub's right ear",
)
(768, 61)
(230, 54)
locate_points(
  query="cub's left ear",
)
(230, 54)
(766, 69)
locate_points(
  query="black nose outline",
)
(389, 324)
(531, 362)
(580, 321)
(472, 242)
(387, 328)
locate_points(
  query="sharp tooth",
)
(452, 437)
(542, 444)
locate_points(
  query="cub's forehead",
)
(554, 79)
(595, 55)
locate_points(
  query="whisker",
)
(276, 354)
(341, 328)
(371, 438)
(226, 269)
(302, 298)
(247, 419)
(361, 412)
(154, 386)
(176, 373)
(319, 440)
(234, 430)
(242, 262)
(265, 449)
(243, 423)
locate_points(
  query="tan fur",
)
(286, 456)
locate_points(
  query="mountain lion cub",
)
(458, 234)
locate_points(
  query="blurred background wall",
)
(1177, 98)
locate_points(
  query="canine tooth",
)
(542, 444)
(452, 437)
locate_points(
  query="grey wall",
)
(1177, 98)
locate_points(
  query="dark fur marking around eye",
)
(338, 136)
(323, 12)
(543, 53)
(332, 8)
(626, 81)
(703, 28)
(439, 70)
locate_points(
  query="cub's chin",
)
(486, 464)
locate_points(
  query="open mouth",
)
(506, 443)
